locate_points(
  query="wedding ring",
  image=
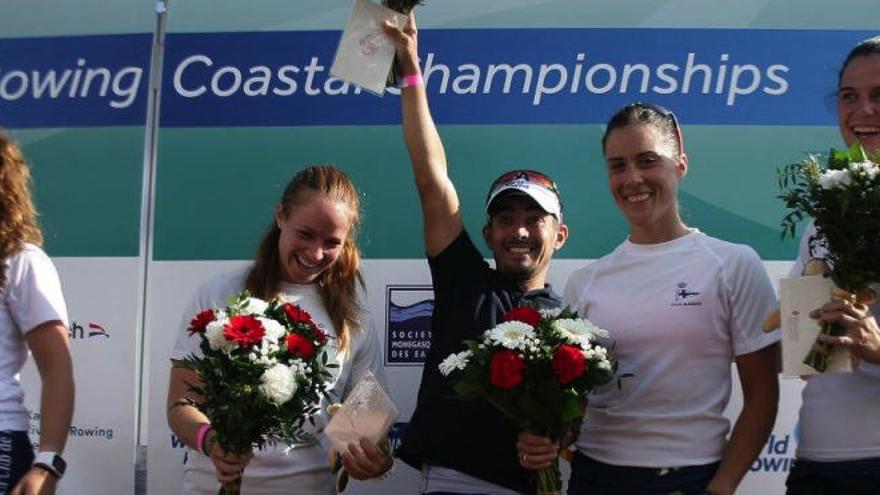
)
(524, 461)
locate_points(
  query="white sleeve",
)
(751, 299)
(34, 290)
(210, 295)
(820, 250)
(574, 288)
(366, 356)
(186, 344)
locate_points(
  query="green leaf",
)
(571, 409)
(857, 153)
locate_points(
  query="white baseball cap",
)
(535, 185)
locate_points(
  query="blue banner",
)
(74, 81)
(514, 76)
(478, 76)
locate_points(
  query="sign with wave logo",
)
(408, 324)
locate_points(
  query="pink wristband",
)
(200, 437)
(412, 80)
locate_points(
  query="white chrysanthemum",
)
(254, 306)
(216, 338)
(574, 331)
(512, 334)
(550, 313)
(454, 362)
(273, 330)
(833, 179)
(864, 169)
(278, 384)
(604, 364)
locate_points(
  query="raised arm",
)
(440, 207)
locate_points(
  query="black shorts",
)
(591, 477)
(859, 477)
(16, 458)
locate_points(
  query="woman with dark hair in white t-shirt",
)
(680, 307)
(33, 316)
(839, 447)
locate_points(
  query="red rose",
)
(296, 314)
(320, 336)
(300, 346)
(523, 314)
(568, 363)
(507, 369)
(244, 330)
(200, 322)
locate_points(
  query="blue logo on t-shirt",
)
(686, 297)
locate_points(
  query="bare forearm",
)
(185, 422)
(56, 409)
(51, 351)
(184, 418)
(748, 437)
(422, 139)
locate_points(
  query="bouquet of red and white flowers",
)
(263, 371)
(537, 367)
(843, 199)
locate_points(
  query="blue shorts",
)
(16, 458)
(591, 477)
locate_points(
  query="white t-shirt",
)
(840, 414)
(305, 467)
(32, 296)
(678, 313)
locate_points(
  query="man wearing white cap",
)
(468, 447)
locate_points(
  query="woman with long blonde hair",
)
(308, 256)
(33, 316)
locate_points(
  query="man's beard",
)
(518, 274)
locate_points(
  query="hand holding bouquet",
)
(263, 371)
(844, 201)
(537, 367)
(404, 7)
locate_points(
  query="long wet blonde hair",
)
(18, 217)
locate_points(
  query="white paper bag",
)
(365, 53)
(800, 296)
(367, 412)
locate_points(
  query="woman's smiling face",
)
(858, 102)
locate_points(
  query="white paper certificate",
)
(800, 296)
(365, 54)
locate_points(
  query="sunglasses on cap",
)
(666, 114)
(531, 176)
